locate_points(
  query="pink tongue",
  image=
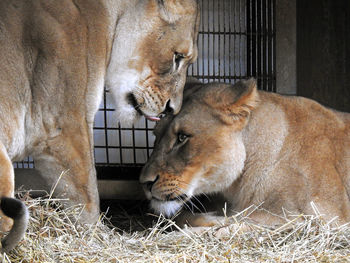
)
(152, 118)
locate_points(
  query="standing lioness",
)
(55, 58)
(257, 148)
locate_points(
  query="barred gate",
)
(236, 41)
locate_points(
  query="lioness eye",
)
(177, 59)
(181, 137)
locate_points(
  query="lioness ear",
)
(172, 10)
(234, 103)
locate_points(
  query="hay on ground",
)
(54, 235)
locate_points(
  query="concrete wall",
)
(323, 66)
(286, 44)
(108, 189)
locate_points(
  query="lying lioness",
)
(55, 59)
(257, 148)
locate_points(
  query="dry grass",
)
(55, 236)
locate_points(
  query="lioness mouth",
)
(132, 100)
(168, 198)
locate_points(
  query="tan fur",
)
(256, 148)
(6, 184)
(55, 58)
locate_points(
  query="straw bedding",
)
(54, 235)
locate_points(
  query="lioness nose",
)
(176, 103)
(148, 184)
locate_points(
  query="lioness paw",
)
(6, 224)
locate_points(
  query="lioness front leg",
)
(224, 226)
(6, 184)
(68, 161)
(199, 222)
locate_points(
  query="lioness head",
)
(154, 43)
(200, 150)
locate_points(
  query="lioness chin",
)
(257, 148)
(55, 59)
